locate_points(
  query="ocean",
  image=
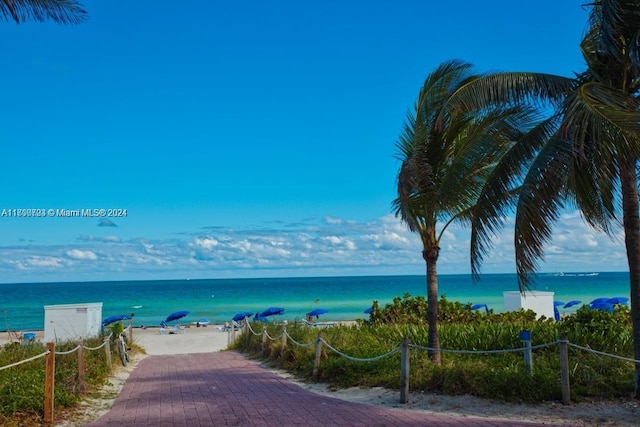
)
(346, 298)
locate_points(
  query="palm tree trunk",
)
(631, 222)
(431, 258)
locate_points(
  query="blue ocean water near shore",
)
(22, 305)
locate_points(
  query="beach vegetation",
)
(22, 386)
(446, 156)
(477, 358)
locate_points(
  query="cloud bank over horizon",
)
(328, 246)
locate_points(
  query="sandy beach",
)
(212, 338)
(192, 340)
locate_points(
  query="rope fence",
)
(284, 337)
(20, 362)
(405, 346)
(50, 355)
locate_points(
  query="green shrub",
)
(488, 374)
(22, 386)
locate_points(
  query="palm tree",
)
(59, 11)
(444, 166)
(585, 154)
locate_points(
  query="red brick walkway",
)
(225, 389)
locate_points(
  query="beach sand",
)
(212, 338)
(192, 340)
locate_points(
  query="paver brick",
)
(226, 389)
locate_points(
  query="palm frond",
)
(59, 11)
(540, 200)
(499, 194)
(602, 116)
(509, 88)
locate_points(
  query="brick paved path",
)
(225, 389)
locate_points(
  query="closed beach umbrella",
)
(317, 312)
(241, 316)
(118, 318)
(177, 315)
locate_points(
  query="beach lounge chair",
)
(317, 324)
(167, 330)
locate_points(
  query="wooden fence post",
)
(81, 382)
(131, 328)
(316, 362)
(247, 332)
(404, 372)
(264, 339)
(107, 351)
(233, 332)
(564, 369)
(284, 337)
(49, 376)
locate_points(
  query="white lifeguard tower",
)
(72, 322)
(540, 302)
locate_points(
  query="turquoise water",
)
(22, 305)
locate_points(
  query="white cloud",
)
(81, 255)
(332, 221)
(326, 247)
(43, 261)
(205, 242)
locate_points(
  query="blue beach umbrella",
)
(602, 306)
(317, 312)
(617, 300)
(368, 310)
(556, 312)
(241, 316)
(271, 311)
(113, 319)
(478, 306)
(177, 315)
(599, 301)
(572, 303)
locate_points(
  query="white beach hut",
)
(71, 322)
(540, 302)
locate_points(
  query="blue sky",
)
(248, 140)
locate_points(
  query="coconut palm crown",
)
(445, 160)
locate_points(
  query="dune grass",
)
(500, 376)
(22, 386)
